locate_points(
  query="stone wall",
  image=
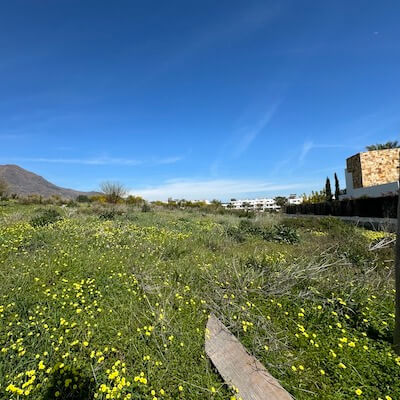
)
(379, 167)
(354, 167)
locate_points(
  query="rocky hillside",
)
(23, 183)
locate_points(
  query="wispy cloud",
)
(167, 160)
(242, 138)
(250, 134)
(99, 161)
(310, 145)
(216, 188)
(307, 146)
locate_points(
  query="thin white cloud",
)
(251, 133)
(167, 160)
(100, 161)
(309, 145)
(215, 188)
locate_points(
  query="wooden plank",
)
(238, 368)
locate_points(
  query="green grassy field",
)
(107, 306)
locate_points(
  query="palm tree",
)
(383, 146)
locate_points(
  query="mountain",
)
(23, 183)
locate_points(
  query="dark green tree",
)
(281, 201)
(337, 187)
(328, 190)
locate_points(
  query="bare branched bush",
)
(113, 191)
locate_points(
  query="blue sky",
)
(196, 99)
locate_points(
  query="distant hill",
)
(23, 183)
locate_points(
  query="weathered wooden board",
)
(238, 367)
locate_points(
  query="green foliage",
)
(3, 188)
(146, 207)
(72, 204)
(113, 192)
(337, 187)
(281, 201)
(315, 197)
(328, 190)
(89, 304)
(134, 200)
(45, 217)
(108, 214)
(31, 199)
(383, 146)
(276, 233)
(82, 198)
(282, 234)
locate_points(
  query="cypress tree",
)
(328, 190)
(337, 188)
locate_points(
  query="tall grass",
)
(96, 307)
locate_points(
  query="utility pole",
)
(396, 335)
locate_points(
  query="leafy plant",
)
(45, 217)
(282, 234)
(275, 233)
(108, 214)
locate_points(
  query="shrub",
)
(235, 233)
(134, 200)
(98, 199)
(31, 199)
(45, 217)
(108, 214)
(82, 198)
(275, 233)
(249, 226)
(282, 234)
(146, 207)
(3, 188)
(324, 224)
(113, 191)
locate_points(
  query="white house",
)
(293, 199)
(253, 204)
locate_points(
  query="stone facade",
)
(354, 167)
(374, 168)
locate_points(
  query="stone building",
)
(372, 173)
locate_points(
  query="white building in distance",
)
(263, 204)
(293, 199)
(253, 204)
